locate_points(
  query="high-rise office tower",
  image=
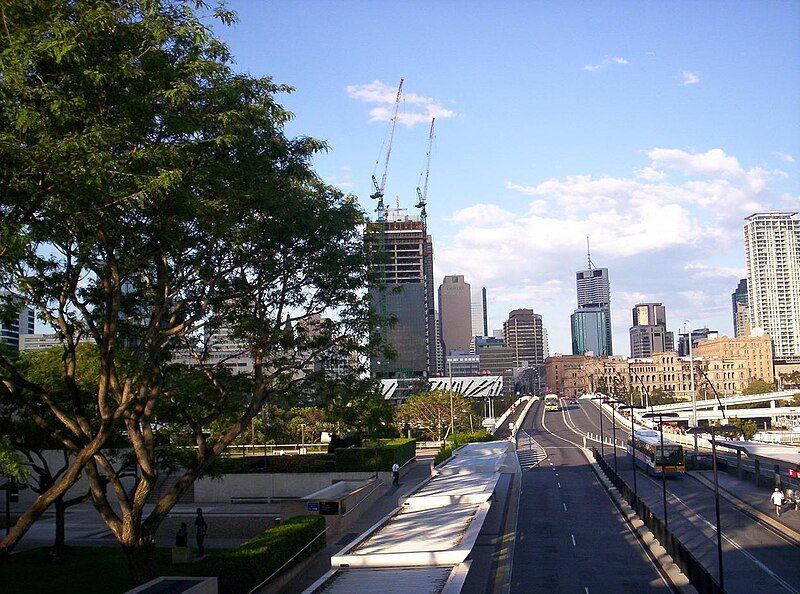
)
(698, 335)
(772, 252)
(21, 324)
(406, 267)
(480, 327)
(741, 321)
(455, 314)
(523, 332)
(591, 322)
(649, 331)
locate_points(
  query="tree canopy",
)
(152, 207)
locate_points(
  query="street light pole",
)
(660, 416)
(713, 430)
(691, 383)
(602, 437)
(452, 416)
(611, 402)
(631, 407)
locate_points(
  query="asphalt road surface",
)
(570, 535)
(755, 558)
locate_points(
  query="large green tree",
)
(151, 203)
(429, 412)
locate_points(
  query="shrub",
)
(443, 455)
(377, 457)
(472, 437)
(293, 463)
(239, 570)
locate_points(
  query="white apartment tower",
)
(772, 252)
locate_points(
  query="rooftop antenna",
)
(589, 254)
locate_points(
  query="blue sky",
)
(654, 128)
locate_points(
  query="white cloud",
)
(689, 78)
(424, 108)
(784, 157)
(714, 161)
(650, 174)
(607, 61)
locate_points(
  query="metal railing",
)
(695, 571)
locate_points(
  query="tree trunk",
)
(142, 559)
(61, 509)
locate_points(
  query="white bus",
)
(650, 456)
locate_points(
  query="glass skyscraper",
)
(591, 322)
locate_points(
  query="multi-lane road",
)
(572, 538)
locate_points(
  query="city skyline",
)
(642, 132)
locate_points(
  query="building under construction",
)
(404, 293)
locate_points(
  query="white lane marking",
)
(559, 485)
(573, 540)
(656, 567)
(736, 545)
(587, 590)
(565, 506)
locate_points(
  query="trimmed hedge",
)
(460, 439)
(240, 570)
(473, 437)
(293, 463)
(376, 458)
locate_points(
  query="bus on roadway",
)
(551, 402)
(650, 456)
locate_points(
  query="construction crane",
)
(426, 255)
(379, 189)
(382, 216)
(423, 195)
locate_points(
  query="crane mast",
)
(423, 195)
(427, 260)
(379, 189)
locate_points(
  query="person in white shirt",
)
(777, 500)
(396, 474)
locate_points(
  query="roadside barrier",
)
(697, 574)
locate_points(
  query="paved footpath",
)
(755, 499)
(320, 563)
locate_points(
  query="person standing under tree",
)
(777, 500)
(202, 530)
(396, 474)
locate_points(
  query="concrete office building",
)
(523, 332)
(741, 314)
(406, 295)
(591, 322)
(20, 325)
(649, 331)
(698, 335)
(480, 325)
(462, 365)
(455, 314)
(498, 360)
(772, 254)
(38, 342)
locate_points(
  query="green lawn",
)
(81, 570)
(104, 570)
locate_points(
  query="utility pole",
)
(692, 386)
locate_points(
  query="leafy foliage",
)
(428, 412)
(152, 207)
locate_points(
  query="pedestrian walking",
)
(202, 530)
(396, 474)
(777, 500)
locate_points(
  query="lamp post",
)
(602, 437)
(452, 416)
(713, 430)
(612, 402)
(691, 382)
(631, 408)
(660, 416)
